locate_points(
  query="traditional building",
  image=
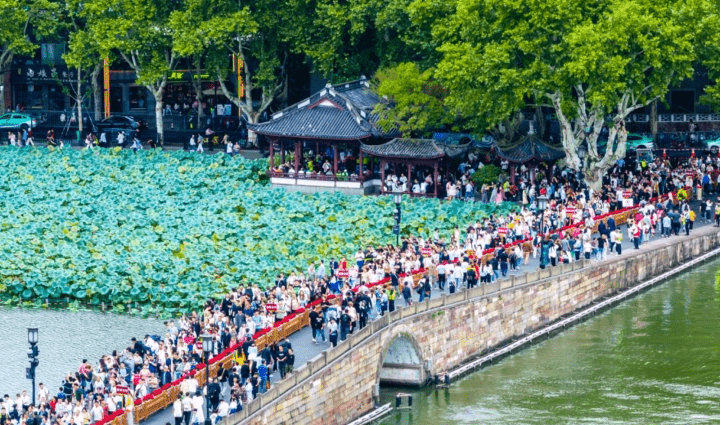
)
(315, 144)
(530, 151)
(417, 160)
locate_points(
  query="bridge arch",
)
(401, 361)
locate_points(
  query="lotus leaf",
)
(169, 229)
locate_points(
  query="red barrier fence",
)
(165, 396)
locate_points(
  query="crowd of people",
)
(343, 296)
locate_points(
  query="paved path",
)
(305, 349)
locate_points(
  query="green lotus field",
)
(167, 230)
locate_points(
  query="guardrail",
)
(166, 395)
(163, 397)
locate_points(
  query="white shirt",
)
(197, 404)
(223, 409)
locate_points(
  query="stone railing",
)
(165, 396)
(325, 358)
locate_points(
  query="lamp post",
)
(33, 356)
(582, 152)
(542, 205)
(207, 343)
(396, 228)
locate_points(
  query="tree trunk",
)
(569, 137)
(5, 61)
(540, 120)
(653, 118)
(594, 177)
(97, 93)
(3, 84)
(79, 95)
(197, 86)
(159, 122)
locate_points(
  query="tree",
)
(350, 38)
(83, 54)
(17, 20)
(416, 100)
(705, 19)
(202, 27)
(259, 32)
(139, 32)
(595, 62)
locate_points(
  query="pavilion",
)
(531, 150)
(318, 140)
(414, 155)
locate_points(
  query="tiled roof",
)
(462, 138)
(340, 112)
(406, 148)
(531, 148)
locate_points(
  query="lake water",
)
(654, 359)
(65, 338)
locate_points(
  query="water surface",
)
(65, 338)
(654, 359)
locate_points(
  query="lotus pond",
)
(167, 230)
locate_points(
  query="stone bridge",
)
(413, 344)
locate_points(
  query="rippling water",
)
(65, 339)
(654, 359)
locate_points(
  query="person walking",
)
(407, 294)
(178, 411)
(187, 408)
(200, 141)
(392, 294)
(333, 332)
(345, 321)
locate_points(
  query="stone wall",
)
(339, 385)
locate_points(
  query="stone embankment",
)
(444, 333)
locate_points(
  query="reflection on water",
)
(653, 359)
(65, 339)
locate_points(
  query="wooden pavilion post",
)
(272, 155)
(382, 176)
(435, 179)
(409, 177)
(298, 153)
(512, 173)
(335, 159)
(532, 175)
(360, 164)
(282, 151)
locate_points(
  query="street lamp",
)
(207, 344)
(396, 229)
(33, 356)
(582, 152)
(542, 205)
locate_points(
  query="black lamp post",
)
(396, 228)
(207, 343)
(33, 356)
(542, 205)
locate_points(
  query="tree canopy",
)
(592, 62)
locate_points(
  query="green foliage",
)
(16, 20)
(350, 38)
(169, 230)
(498, 53)
(486, 175)
(416, 101)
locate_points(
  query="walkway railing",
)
(166, 395)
